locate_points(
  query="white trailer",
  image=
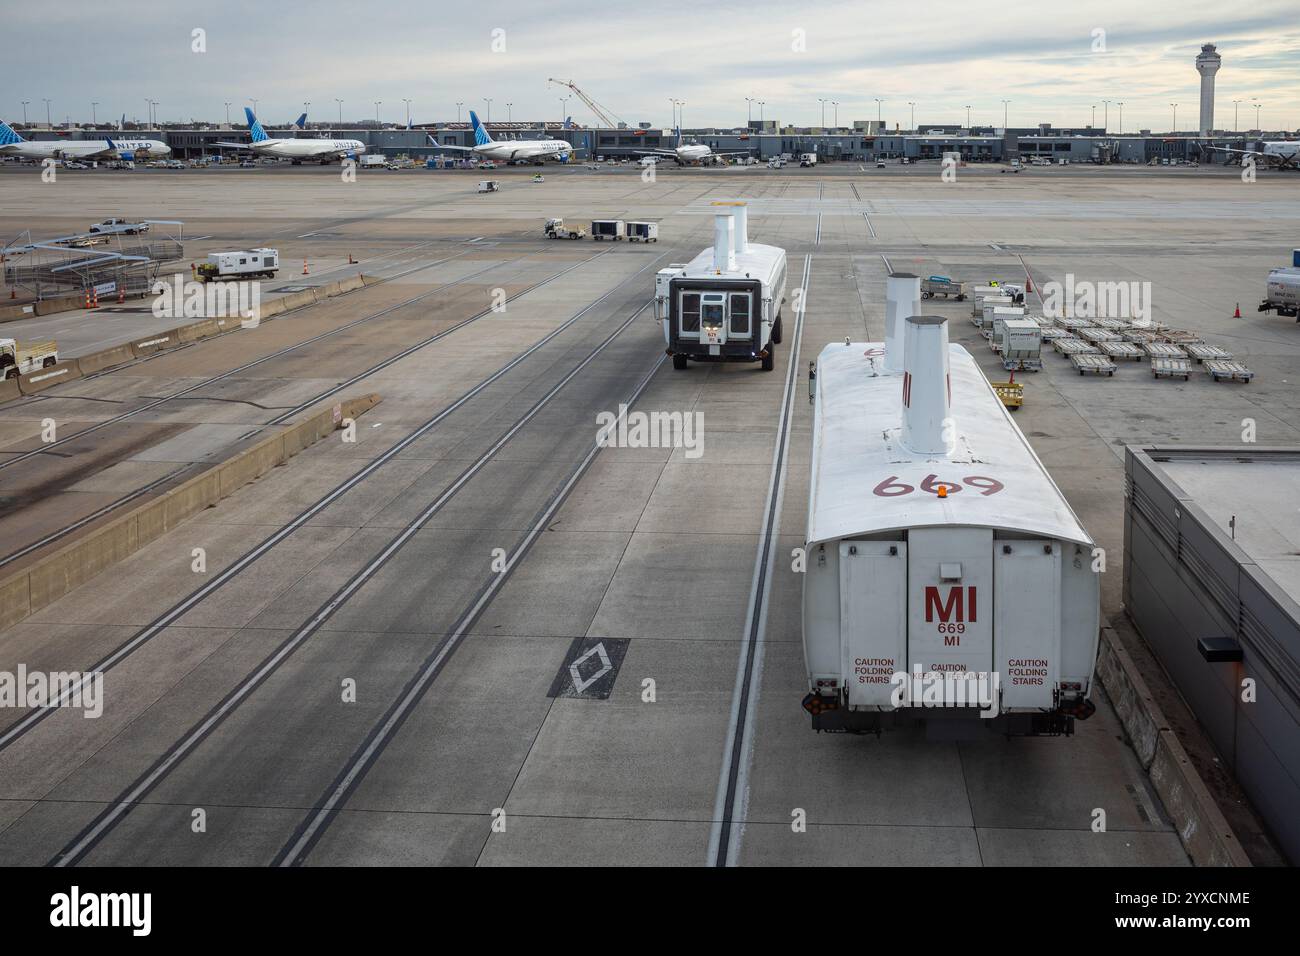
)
(807, 159)
(612, 229)
(947, 578)
(725, 304)
(243, 264)
(643, 232)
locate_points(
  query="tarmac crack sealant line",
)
(196, 597)
(245, 367)
(117, 810)
(733, 786)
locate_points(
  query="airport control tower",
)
(1207, 64)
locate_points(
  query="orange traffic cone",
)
(1237, 313)
(1029, 282)
(87, 298)
(121, 294)
(304, 267)
(94, 299)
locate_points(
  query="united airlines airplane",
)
(11, 144)
(323, 150)
(535, 151)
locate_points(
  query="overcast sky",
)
(633, 57)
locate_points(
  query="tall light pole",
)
(823, 103)
(47, 115)
(761, 104)
(488, 101)
(563, 109)
(1005, 124)
(510, 113)
(1258, 125)
(306, 105)
(378, 103)
(340, 103)
(458, 106)
(913, 106)
(1175, 106)
(408, 110)
(967, 117)
(1093, 122)
(880, 120)
(94, 114)
(835, 120)
(227, 114)
(749, 111)
(1235, 127)
(25, 102)
(1105, 115)
(1121, 117)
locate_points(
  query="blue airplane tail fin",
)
(301, 122)
(481, 137)
(7, 135)
(254, 127)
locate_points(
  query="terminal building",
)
(867, 143)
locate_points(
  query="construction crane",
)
(610, 120)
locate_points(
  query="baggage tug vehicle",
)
(725, 304)
(940, 553)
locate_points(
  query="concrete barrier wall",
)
(64, 304)
(9, 389)
(106, 358)
(1204, 831)
(55, 374)
(25, 592)
(13, 313)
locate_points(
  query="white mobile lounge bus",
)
(938, 548)
(725, 304)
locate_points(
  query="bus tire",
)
(769, 360)
(679, 361)
(776, 331)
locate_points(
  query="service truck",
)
(373, 161)
(20, 358)
(242, 264)
(556, 229)
(807, 159)
(947, 581)
(1282, 292)
(944, 286)
(642, 231)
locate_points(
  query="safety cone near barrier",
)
(94, 299)
(1029, 282)
(87, 299)
(1237, 313)
(121, 294)
(304, 267)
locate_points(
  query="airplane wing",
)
(464, 149)
(670, 153)
(233, 145)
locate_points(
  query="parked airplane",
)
(322, 150)
(1281, 153)
(689, 154)
(535, 151)
(11, 144)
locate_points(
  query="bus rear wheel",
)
(769, 360)
(679, 362)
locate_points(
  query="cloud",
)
(942, 54)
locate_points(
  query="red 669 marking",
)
(891, 487)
